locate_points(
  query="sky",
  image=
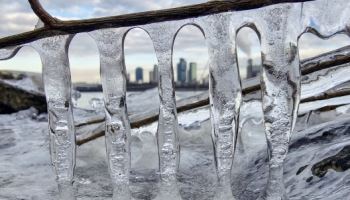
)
(18, 17)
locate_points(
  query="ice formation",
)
(278, 26)
(163, 36)
(225, 96)
(113, 77)
(280, 83)
(57, 80)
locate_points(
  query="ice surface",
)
(25, 160)
(326, 18)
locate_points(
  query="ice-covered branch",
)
(56, 27)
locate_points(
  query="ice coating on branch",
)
(8, 53)
(323, 80)
(113, 78)
(57, 82)
(162, 35)
(225, 96)
(315, 105)
(319, 17)
(279, 28)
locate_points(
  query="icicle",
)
(8, 53)
(225, 97)
(279, 27)
(162, 35)
(113, 77)
(57, 82)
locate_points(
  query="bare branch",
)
(59, 27)
(327, 60)
(43, 15)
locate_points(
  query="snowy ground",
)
(25, 171)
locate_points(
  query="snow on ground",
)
(26, 173)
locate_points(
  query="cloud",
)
(99, 8)
(17, 18)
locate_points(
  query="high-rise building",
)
(154, 74)
(181, 71)
(192, 73)
(128, 78)
(252, 70)
(151, 77)
(139, 75)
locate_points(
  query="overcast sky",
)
(17, 17)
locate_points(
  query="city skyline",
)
(182, 74)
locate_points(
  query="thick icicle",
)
(279, 27)
(113, 77)
(57, 82)
(225, 96)
(162, 35)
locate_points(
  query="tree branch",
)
(323, 61)
(59, 27)
(43, 15)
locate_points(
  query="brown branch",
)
(327, 60)
(59, 27)
(43, 15)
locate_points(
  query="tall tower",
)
(252, 70)
(139, 75)
(155, 74)
(181, 71)
(192, 73)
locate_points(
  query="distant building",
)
(192, 73)
(128, 78)
(252, 70)
(153, 75)
(139, 75)
(181, 71)
(205, 80)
